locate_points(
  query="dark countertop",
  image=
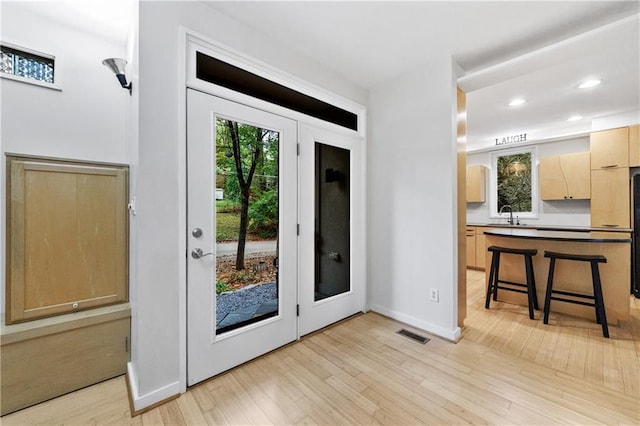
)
(581, 237)
(550, 227)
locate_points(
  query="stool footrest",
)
(512, 283)
(568, 293)
(577, 302)
(513, 289)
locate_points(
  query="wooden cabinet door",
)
(476, 184)
(576, 170)
(634, 146)
(471, 247)
(552, 182)
(481, 249)
(610, 148)
(67, 237)
(565, 177)
(610, 194)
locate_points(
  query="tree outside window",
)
(513, 182)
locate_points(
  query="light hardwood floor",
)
(506, 370)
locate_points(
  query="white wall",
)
(84, 121)
(160, 177)
(412, 192)
(564, 213)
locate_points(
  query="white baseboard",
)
(140, 402)
(452, 335)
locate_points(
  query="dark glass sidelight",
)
(332, 221)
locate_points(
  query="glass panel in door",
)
(332, 221)
(247, 224)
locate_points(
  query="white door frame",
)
(192, 41)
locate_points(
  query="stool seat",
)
(495, 282)
(598, 301)
(524, 252)
(579, 257)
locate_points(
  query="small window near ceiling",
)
(514, 183)
(26, 65)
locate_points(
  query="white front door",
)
(223, 333)
(331, 243)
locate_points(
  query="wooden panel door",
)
(610, 148)
(476, 184)
(481, 248)
(576, 171)
(610, 194)
(67, 237)
(552, 182)
(471, 247)
(634, 146)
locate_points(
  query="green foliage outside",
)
(514, 181)
(227, 225)
(263, 215)
(222, 286)
(258, 151)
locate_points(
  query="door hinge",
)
(126, 344)
(298, 149)
(298, 229)
(297, 310)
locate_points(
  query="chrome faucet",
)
(510, 221)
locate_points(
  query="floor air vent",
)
(413, 336)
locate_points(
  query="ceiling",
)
(372, 43)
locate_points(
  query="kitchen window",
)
(514, 183)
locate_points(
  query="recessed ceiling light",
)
(516, 102)
(589, 83)
(575, 118)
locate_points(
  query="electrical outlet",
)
(434, 295)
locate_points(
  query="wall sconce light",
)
(117, 66)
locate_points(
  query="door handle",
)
(198, 253)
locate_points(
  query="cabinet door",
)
(634, 146)
(481, 249)
(610, 194)
(552, 182)
(575, 169)
(471, 247)
(67, 237)
(610, 148)
(476, 184)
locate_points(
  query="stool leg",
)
(599, 300)
(547, 297)
(492, 272)
(495, 286)
(533, 285)
(532, 299)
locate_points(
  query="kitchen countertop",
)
(553, 235)
(550, 227)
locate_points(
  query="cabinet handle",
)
(609, 167)
(609, 226)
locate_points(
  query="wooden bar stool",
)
(598, 301)
(495, 281)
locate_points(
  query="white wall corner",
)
(451, 335)
(140, 402)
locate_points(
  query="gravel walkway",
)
(244, 298)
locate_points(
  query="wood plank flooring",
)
(506, 370)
